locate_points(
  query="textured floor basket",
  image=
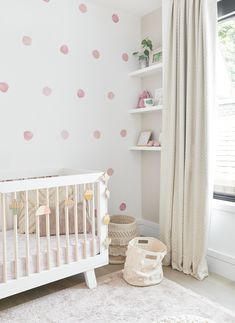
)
(143, 266)
(122, 229)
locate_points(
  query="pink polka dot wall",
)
(65, 90)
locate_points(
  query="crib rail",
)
(52, 225)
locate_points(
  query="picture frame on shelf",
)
(158, 96)
(156, 56)
(144, 138)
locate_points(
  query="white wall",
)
(151, 27)
(27, 69)
(221, 253)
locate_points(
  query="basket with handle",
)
(143, 266)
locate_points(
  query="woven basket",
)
(122, 229)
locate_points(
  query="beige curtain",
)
(189, 31)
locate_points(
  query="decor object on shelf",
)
(156, 143)
(144, 138)
(153, 143)
(160, 138)
(158, 96)
(148, 102)
(144, 95)
(122, 229)
(144, 54)
(150, 143)
(156, 56)
(143, 266)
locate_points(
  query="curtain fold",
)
(189, 47)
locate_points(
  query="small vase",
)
(144, 62)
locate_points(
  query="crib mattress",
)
(43, 254)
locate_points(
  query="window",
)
(224, 186)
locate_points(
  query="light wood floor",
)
(214, 287)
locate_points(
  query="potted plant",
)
(143, 55)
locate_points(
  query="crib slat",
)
(4, 241)
(16, 239)
(58, 225)
(76, 220)
(38, 235)
(67, 225)
(27, 231)
(93, 220)
(84, 224)
(48, 232)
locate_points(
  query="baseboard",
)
(219, 263)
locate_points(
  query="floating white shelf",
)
(153, 69)
(145, 148)
(146, 110)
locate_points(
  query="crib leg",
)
(90, 278)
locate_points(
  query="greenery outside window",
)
(224, 184)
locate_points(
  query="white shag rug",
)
(116, 301)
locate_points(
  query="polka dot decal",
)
(123, 133)
(46, 91)
(64, 134)
(81, 93)
(115, 18)
(122, 206)
(96, 54)
(110, 171)
(97, 134)
(64, 49)
(27, 41)
(68, 76)
(111, 95)
(83, 8)
(28, 135)
(125, 57)
(4, 87)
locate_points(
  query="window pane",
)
(226, 56)
(225, 128)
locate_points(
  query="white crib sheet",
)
(43, 248)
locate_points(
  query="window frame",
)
(226, 10)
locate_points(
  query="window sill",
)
(226, 101)
(224, 206)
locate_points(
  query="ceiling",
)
(137, 7)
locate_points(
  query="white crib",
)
(53, 225)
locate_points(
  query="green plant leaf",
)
(142, 57)
(146, 52)
(135, 53)
(144, 42)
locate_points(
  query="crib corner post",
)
(101, 212)
(90, 279)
